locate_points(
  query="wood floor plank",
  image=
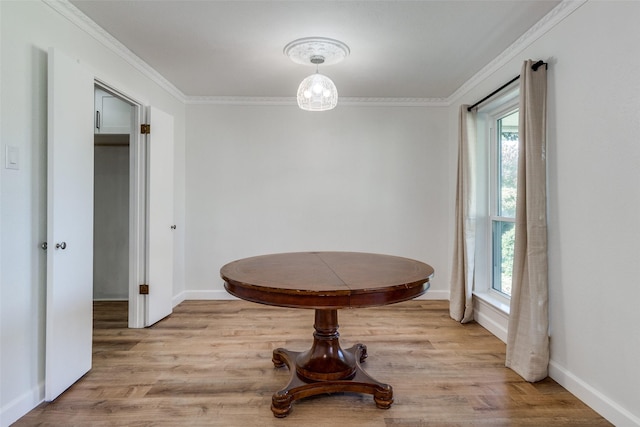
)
(209, 363)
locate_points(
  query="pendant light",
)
(317, 92)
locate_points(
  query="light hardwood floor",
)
(209, 363)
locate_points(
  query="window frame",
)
(495, 189)
(487, 200)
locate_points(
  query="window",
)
(497, 161)
(503, 193)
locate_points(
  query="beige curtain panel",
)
(528, 334)
(461, 298)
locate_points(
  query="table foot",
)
(300, 387)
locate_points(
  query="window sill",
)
(493, 300)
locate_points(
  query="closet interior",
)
(112, 135)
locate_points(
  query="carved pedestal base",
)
(326, 368)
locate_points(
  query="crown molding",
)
(241, 100)
(550, 20)
(82, 21)
(394, 102)
(291, 101)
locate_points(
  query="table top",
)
(326, 279)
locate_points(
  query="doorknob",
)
(44, 246)
(173, 227)
(62, 245)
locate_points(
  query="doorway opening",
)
(118, 210)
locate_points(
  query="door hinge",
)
(144, 289)
(145, 129)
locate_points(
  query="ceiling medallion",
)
(317, 92)
(302, 50)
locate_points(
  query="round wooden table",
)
(326, 282)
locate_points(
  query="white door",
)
(69, 224)
(160, 221)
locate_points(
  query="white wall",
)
(264, 179)
(111, 222)
(594, 201)
(28, 29)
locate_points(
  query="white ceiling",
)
(399, 49)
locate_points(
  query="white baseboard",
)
(593, 398)
(435, 295)
(491, 318)
(214, 294)
(21, 405)
(219, 294)
(496, 321)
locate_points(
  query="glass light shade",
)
(317, 93)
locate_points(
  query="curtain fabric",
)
(461, 302)
(528, 334)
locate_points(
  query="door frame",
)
(137, 206)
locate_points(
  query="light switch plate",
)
(12, 157)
